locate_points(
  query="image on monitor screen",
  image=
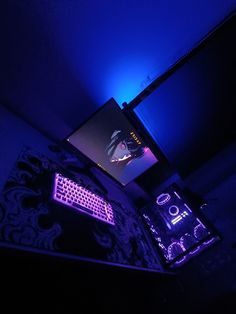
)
(109, 140)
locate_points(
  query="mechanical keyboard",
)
(73, 195)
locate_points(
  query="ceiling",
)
(61, 60)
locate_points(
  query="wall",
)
(14, 134)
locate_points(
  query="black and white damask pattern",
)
(126, 243)
(22, 202)
(25, 198)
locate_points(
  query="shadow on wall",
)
(213, 172)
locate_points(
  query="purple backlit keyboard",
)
(75, 196)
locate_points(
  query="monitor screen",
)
(109, 140)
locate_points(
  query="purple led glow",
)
(187, 207)
(146, 217)
(196, 230)
(202, 246)
(181, 260)
(177, 219)
(186, 233)
(153, 229)
(187, 240)
(173, 210)
(174, 249)
(177, 195)
(73, 195)
(209, 241)
(200, 222)
(163, 198)
(161, 245)
(178, 247)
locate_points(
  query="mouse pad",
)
(30, 219)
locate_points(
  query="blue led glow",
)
(195, 250)
(184, 214)
(124, 80)
(116, 48)
(174, 249)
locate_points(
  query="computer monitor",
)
(110, 140)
